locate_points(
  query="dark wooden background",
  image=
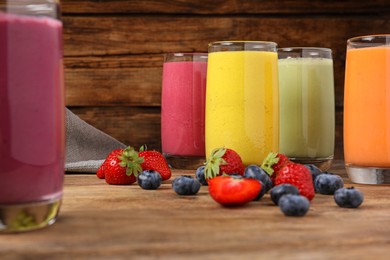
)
(114, 49)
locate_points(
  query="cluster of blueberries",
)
(286, 196)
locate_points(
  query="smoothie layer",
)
(183, 108)
(31, 109)
(242, 103)
(367, 107)
(307, 114)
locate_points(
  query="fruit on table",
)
(121, 166)
(233, 190)
(199, 175)
(273, 163)
(298, 175)
(328, 183)
(149, 180)
(348, 197)
(294, 205)
(315, 171)
(256, 172)
(223, 160)
(154, 160)
(283, 189)
(186, 185)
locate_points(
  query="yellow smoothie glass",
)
(242, 106)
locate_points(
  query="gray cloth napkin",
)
(86, 146)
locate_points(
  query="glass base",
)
(323, 164)
(26, 217)
(184, 162)
(368, 175)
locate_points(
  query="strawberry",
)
(122, 166)
(100, 173)
(223, 160)
(273, 163)
(298, 175)
(233, 190)
(154, 160)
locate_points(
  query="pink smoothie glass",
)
(32, 132)
(183, 109)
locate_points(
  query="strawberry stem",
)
(130, 159)
(270, 161)
(213, 162)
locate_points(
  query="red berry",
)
(230, 190)
(298, 175)
(154, 160)
(122, 166)
(273, 163)
(223, 160)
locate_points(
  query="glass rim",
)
(304, 52)
(367, 40)
(182, 54)
(222, 46)
(287, 49)
(185, 56)
(228, 43)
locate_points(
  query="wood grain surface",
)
(101, 221)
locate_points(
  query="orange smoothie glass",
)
(367, 109)
(242, 102)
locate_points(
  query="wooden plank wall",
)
(114, 49)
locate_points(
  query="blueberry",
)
(185, 185)
(256, 172)
(149, 180)
(315, 171)
(200, 176)
(261, 192)
(294, 205)
(328, 183)
(283, 189)
(348, 197)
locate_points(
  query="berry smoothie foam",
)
(183, 108)
(32, 137)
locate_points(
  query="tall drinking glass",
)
(242, 108)
(307, 107)
(367, 109)
(31, 114)
(183, 109)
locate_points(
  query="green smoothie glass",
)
(307, 108)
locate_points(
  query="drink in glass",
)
(31, 114)
(307, 107)
(367, 109)
(242, 109)
(183, 109)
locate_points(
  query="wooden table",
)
(100, 221)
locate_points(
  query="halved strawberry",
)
(223, 160)
(233, 190)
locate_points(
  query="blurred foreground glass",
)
(307, 106)
(183, 109)
(367, 109)
(242, 110)
(31, 114)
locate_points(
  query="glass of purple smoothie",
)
(32, 132)
(183, 109)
